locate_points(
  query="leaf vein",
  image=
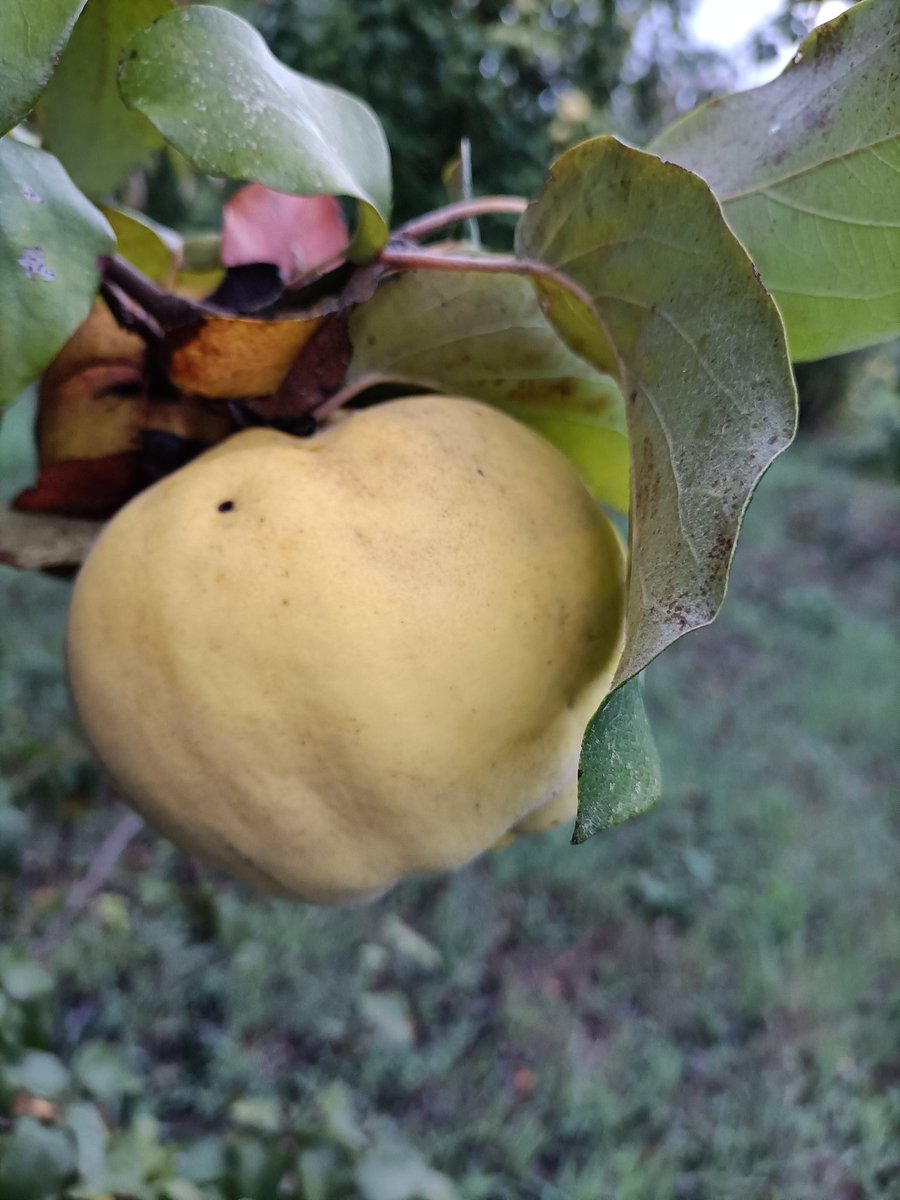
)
(807, 170)
(786, 202)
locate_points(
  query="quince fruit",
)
(323, 664)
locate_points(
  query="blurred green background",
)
(701, 1005)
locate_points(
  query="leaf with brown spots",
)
(710, 394)
(806, 170)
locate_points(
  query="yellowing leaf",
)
(232, 357)
(153, 249)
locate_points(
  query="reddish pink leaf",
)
(297, 233)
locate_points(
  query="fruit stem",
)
(349, 391)
(405, 259)
(460, 210)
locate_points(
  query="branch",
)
(461, 210)
(82, 893)
(349, 391)
(128, 315)
(497, 264)
(167, 310)
(404, 258)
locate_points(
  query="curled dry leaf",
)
(99, 428)
(26, 1105)
(229, 358)
(39, 542)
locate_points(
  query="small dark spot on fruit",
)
(226, 506)
(480, 472)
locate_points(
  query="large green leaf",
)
(32, 37)
(485, 336)
(85, 124)
(208, 82)
(807, 169)
(50, 238)
(619, 775)
(710, 398)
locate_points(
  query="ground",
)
(703, 1004)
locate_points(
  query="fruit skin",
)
(323, 664)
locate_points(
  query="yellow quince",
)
(325, 663)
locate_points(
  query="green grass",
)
(703, 1004)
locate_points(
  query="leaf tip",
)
(580, 834)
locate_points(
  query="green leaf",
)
(262, 1114)
(316, 1167)
(397, 1172)
(619, 775)
(25, 982)
(181, 1189)
(256, 1167)
(84, 122)
(135, 1156)
(32, 37)
(34, 1162)
(102, 1071)
(208, 82)
(13, 838)
(389, 1018)
(806, 169)
(340, 1118)
(409, 945)
(50, 239)
(37, 1073)
(485, 336)
(91, 1138)
(710, 394)
(202, 1161)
